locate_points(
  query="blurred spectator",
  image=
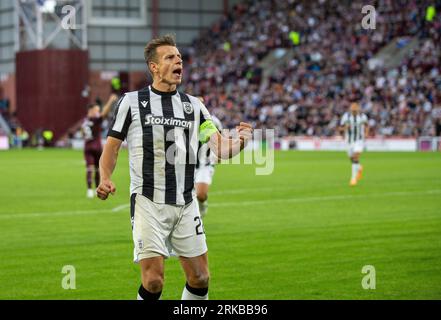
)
(4, 106)
(20, 138)
(438, 127)
(48, 136)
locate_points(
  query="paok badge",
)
(188, 108)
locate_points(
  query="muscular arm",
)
(107, 166)
(225, 148)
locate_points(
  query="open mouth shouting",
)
(177, 72)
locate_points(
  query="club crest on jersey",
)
(151, 120)
(188, 108)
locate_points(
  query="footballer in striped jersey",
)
(354, 124)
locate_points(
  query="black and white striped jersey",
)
(206, 157)
(355, 126)
(162, 132)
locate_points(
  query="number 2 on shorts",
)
(199, 226)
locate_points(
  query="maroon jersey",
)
(92, 133)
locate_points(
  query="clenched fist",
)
(245, 131)
(105, 188)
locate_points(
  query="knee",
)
(153, 283)
(200, 280)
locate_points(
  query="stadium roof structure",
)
(39, 23)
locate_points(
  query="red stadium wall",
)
(100, 85)
(138, 80)
(49, 86)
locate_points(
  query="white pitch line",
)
(121, 207)
(240, 191)
(51, 214)
(245, 190)
(230, 204)
(324, 198)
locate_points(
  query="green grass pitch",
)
(300, 233)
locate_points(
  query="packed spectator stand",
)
(329, 68)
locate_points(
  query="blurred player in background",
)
(91, 129)
(354, 125)
(205, 170)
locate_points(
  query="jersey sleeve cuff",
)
(116, 135)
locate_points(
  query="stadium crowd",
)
(329, 67)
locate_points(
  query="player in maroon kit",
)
(91, 130)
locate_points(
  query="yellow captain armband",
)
(206, 130)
